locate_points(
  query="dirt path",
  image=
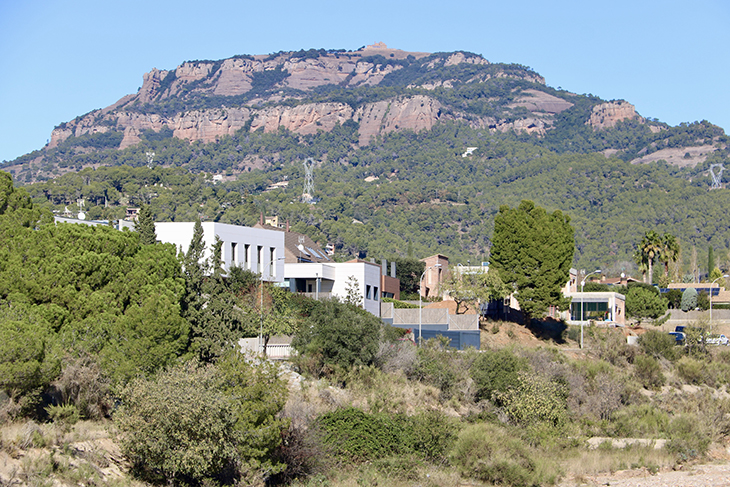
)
(716, 475)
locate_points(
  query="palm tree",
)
(670, 251)
(649, 249)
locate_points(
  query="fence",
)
(275, 351)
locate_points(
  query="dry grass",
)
(51, 454)
(582, 462)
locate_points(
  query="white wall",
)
(368, 277)
(269, 241)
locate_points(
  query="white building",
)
(254, 249)
(289, 258)
(333, 279)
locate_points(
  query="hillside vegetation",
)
(388, 131)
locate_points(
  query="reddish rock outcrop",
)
(235, 76)
(302, 119)
(414, 113)
(606, 115)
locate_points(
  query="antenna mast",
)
(150, 157)
(716, 178)
(307, 194)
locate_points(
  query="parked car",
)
(717, 340)
(679, 337)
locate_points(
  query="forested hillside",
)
(389, 138)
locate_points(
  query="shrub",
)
(356, 436)
(393, 356)
(495, 372)
(689, 299)
(674, 297)
(691, 370)
(645, 303)
(435, 368)
(658, 344)
(643, 420)
(535, 400)
(648, 372)
(430, 435)
(495, 455)
(65, 414)
(192, 423)
(83, 385)
(689, 439)
(339, 336)
(703, 301)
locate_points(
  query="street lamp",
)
(420, 300)
(713, 282)
(582, 301)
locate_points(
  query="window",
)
(260, 257)
(247, 257)
(272, 261)
(234, 255)
(367, 292)
(375, 293)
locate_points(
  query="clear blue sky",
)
(63, 58)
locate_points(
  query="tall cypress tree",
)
(145, 226)
(710, 261)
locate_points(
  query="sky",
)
(63, 58)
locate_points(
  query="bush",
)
(356, 436)
(648, 372)
(674, 297)
(178, 424)
(659, 344)
(495, 455)
(535, 400)
(192, 423)
(689, 299)
(636, 421)
(339, 336)
(436, 367)
(689, 439)
(495, 372)
(83, 385)
(645, 303)
(691, 370)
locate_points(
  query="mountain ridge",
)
(393, 169)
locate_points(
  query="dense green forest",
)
(426, 198)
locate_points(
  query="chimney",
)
(392, 269)
(261, 219)
(287, 225)
(384, 267)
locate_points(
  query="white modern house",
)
(291, 259)
(333, 279)
(255, 249)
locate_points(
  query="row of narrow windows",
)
(263, 255)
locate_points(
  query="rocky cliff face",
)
(606, 115)
(295, 73)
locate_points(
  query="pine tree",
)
(532, 251)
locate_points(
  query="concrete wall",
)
(679, 317)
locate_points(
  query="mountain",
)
(413, 151)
